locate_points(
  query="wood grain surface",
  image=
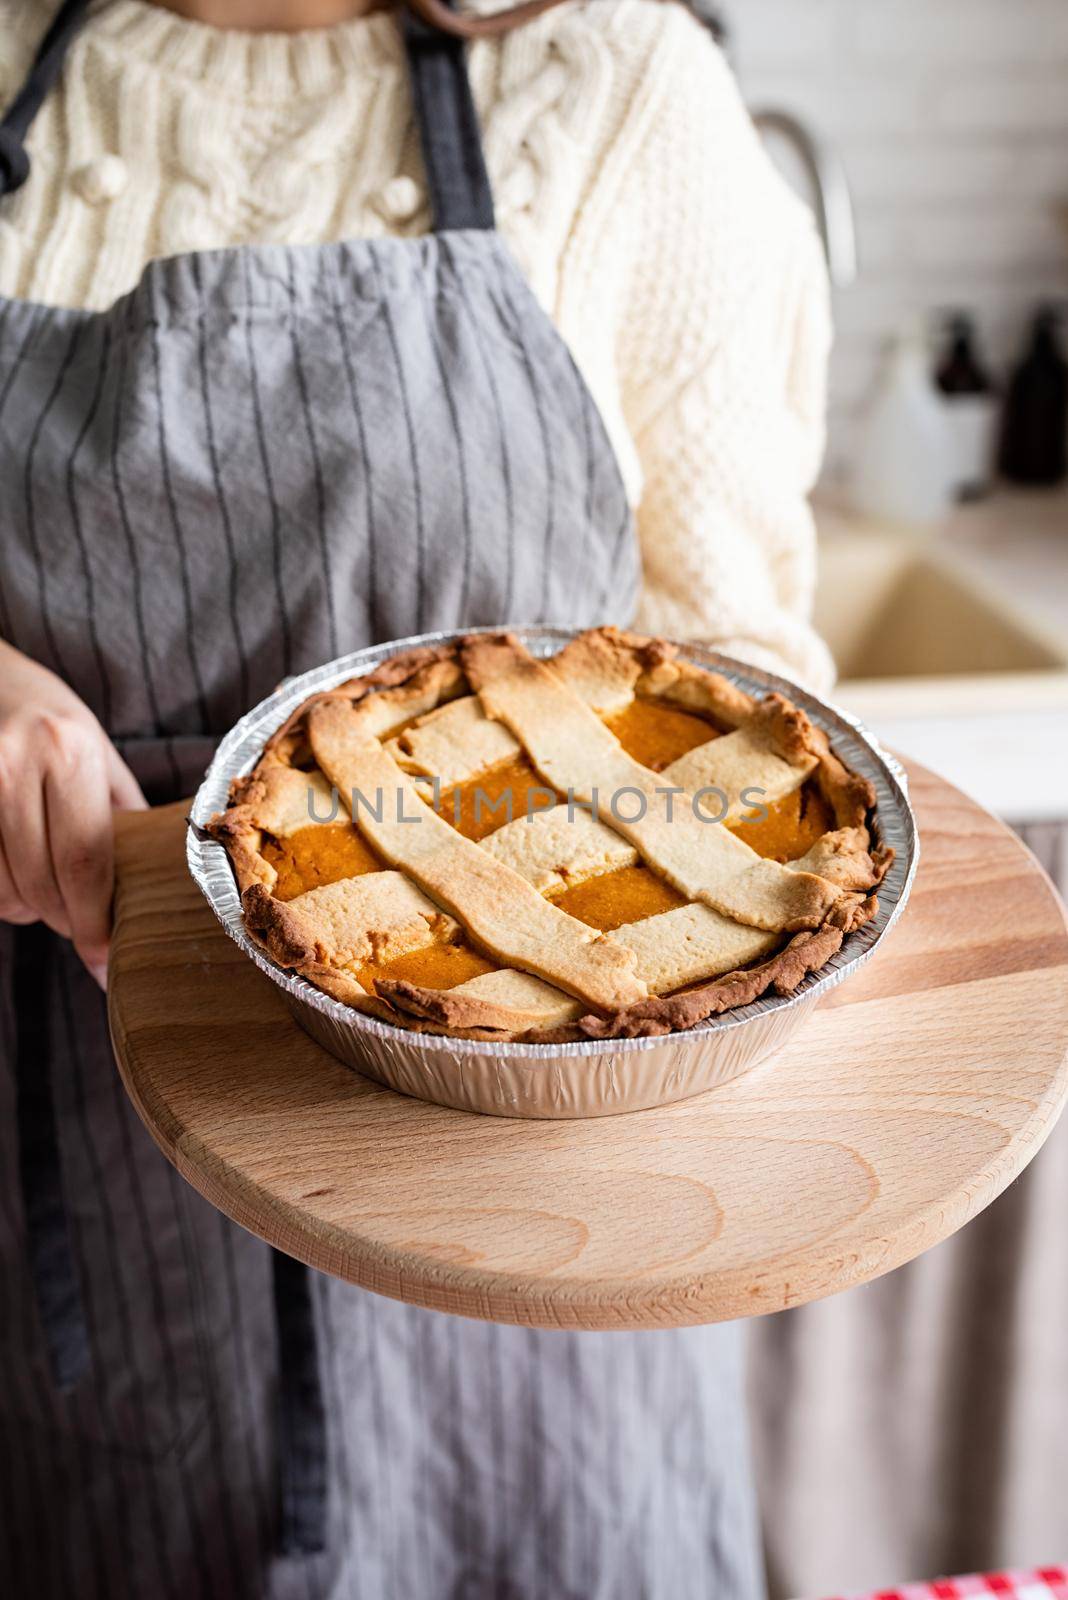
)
(914, 1095)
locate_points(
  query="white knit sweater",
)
(630, 185)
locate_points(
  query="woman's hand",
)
(60, 777)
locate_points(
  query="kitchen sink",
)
(891, 609)
(944, 666)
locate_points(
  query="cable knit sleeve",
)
(723, 353)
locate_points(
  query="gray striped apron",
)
(256, 460)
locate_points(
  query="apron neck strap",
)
(460, 194)
(46, 67)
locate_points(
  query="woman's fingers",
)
(78, 810)
(30, 742)
(12, 906)
(59, 778)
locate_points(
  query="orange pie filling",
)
(629, 894)
(433, 966)
(321, 853)
(656, 735)
(501, 794)
(791, 827)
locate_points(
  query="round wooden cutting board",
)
(915, 1094)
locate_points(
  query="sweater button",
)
(400, 198)
(102, 179)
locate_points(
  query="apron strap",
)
(46, 67)
(449, 135)
(51, 1260)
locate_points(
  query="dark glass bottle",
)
(963, 380)
(960, 371)
(1034, 434)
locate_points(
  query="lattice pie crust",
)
(730, 854)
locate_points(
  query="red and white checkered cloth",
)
(1041, 1583)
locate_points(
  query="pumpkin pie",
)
(607, 843)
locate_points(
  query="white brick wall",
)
(951, 118)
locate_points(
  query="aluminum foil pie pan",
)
(595, 1077)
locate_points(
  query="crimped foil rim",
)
(241, 748)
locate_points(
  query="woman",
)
(271, 388)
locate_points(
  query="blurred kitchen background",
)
(919, 1426)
